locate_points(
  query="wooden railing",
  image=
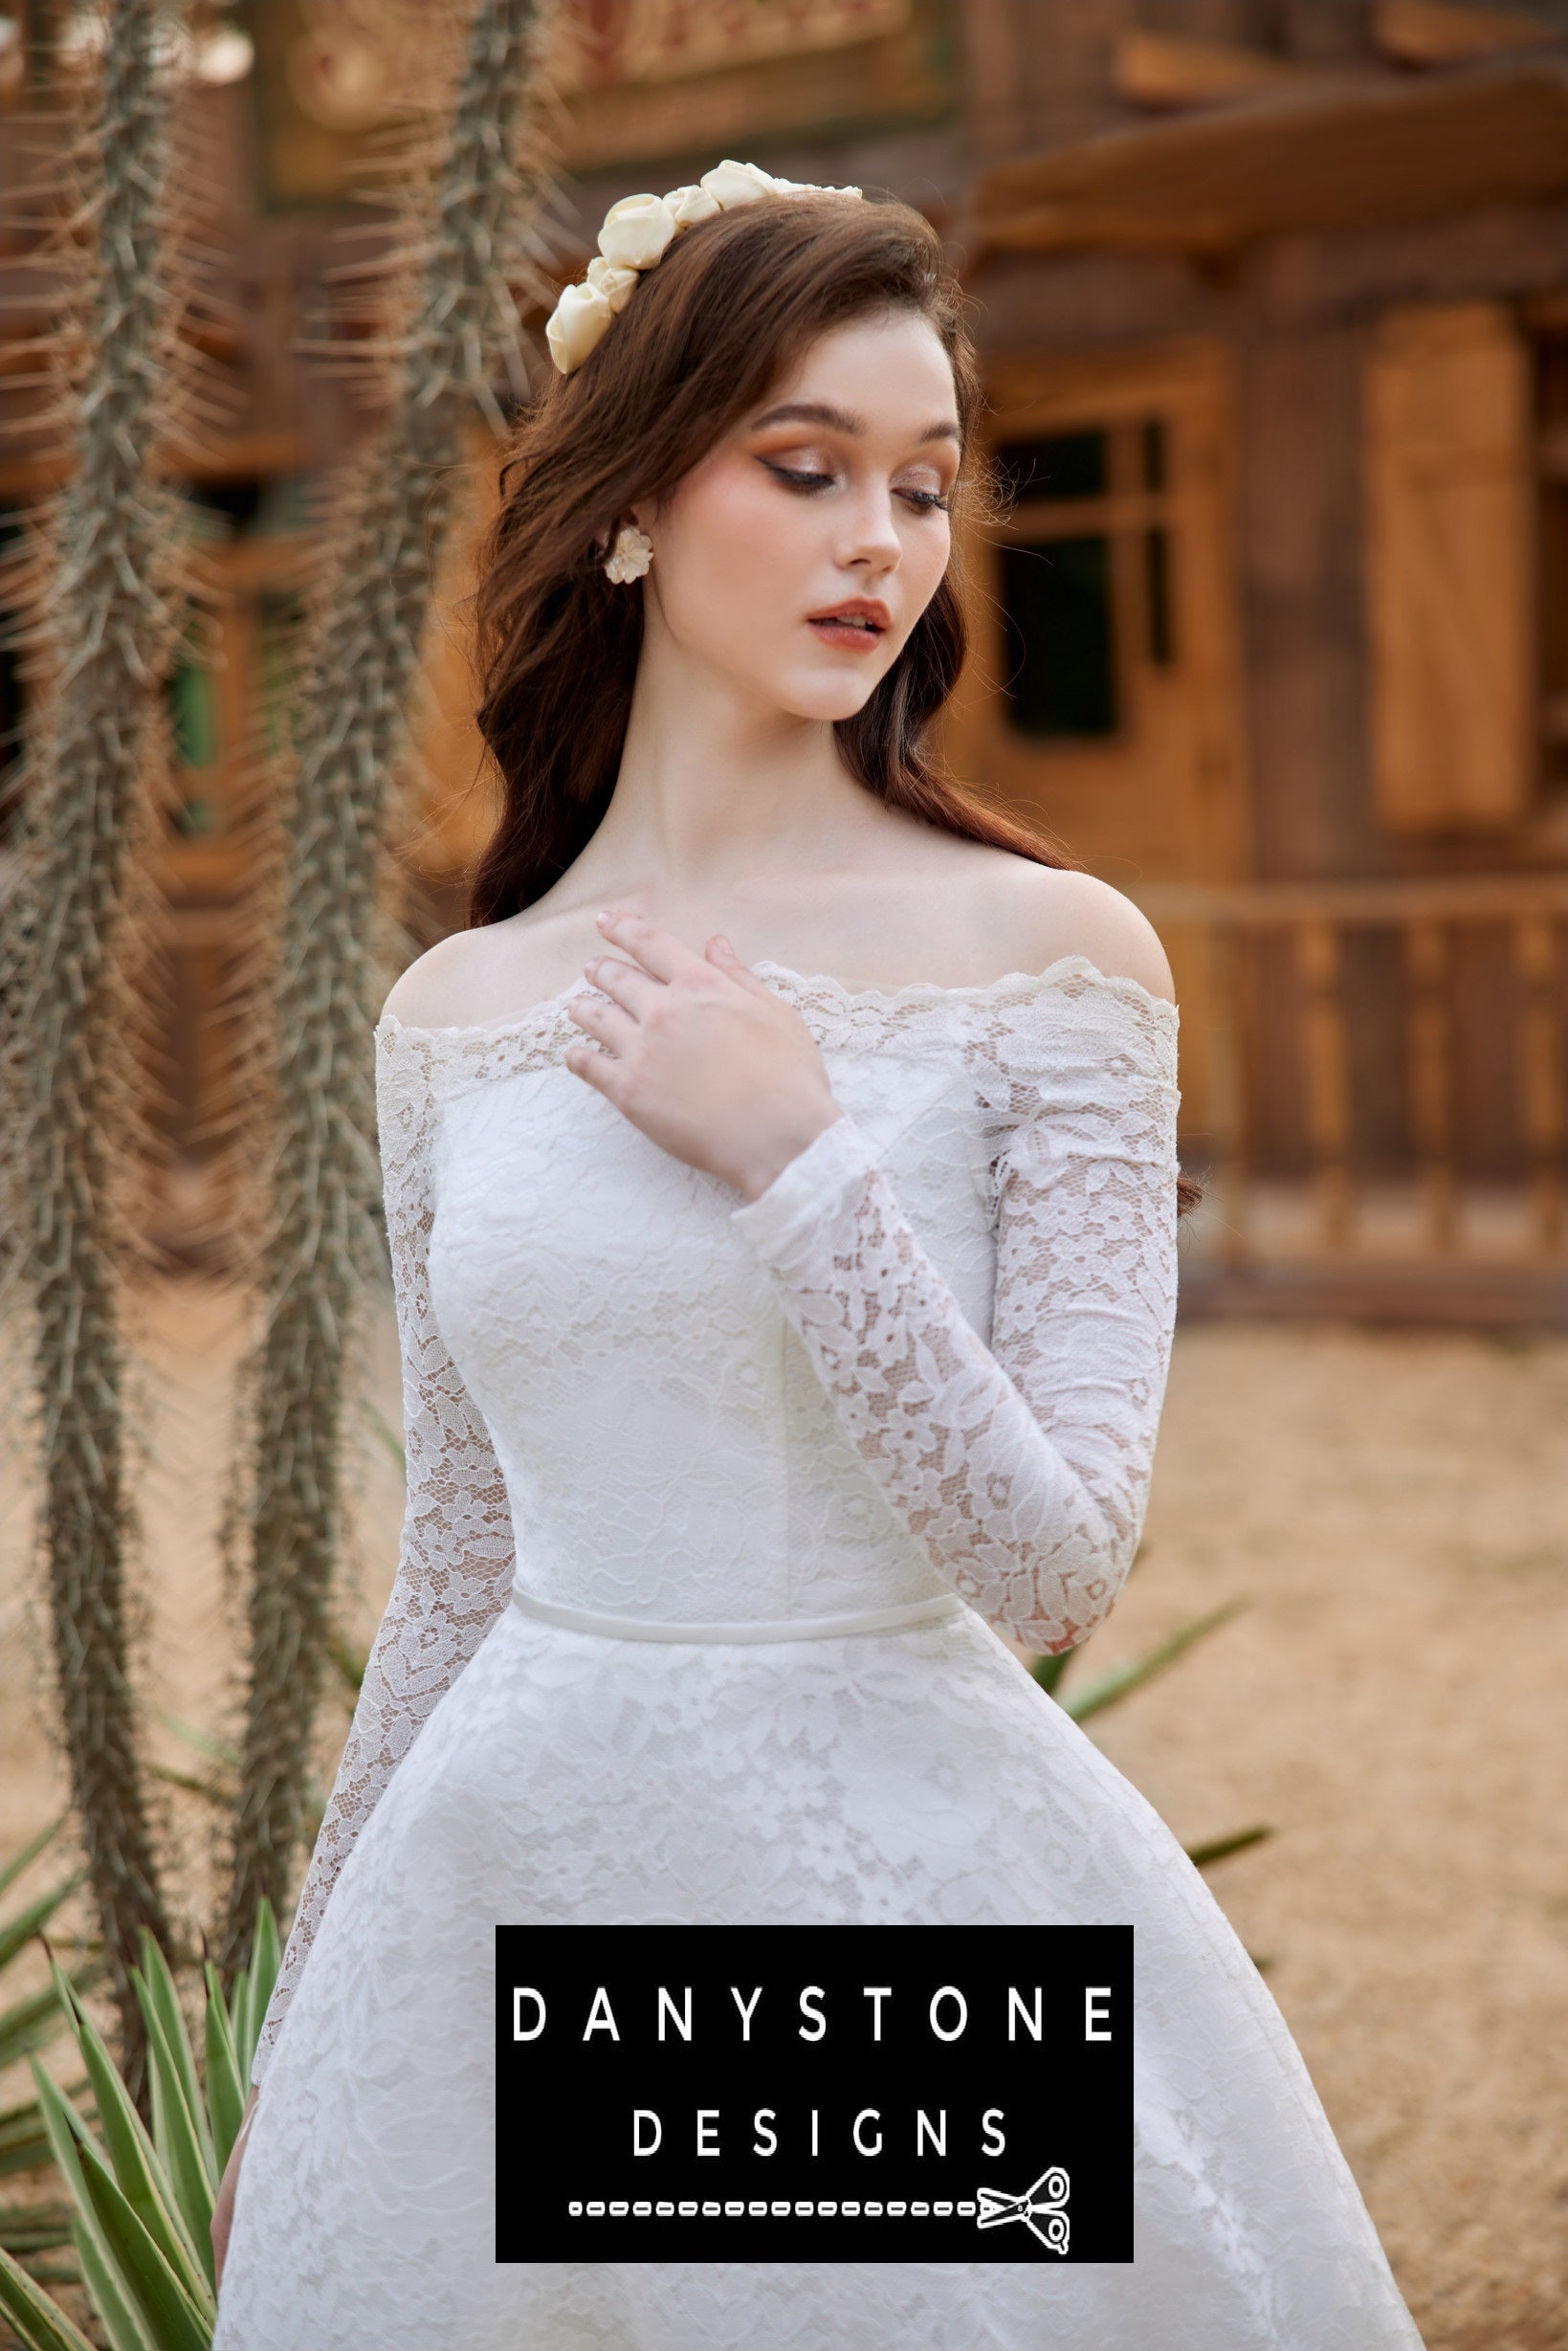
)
(1318, 1184)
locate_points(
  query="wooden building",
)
(1273, 299)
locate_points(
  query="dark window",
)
(1064, 465)
(1059, 639)
(236, 499)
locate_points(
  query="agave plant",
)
(1119, 1682)
(141, 2201)
(33, 2231)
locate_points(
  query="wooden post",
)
(1430, 1077)
(1537, 962)
(1327, 1072)
(1228, 1099)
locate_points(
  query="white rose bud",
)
(575, 325)
(690, 205)
(612, 281)
(732, 184)
(636, 231)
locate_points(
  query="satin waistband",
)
(895, 1619)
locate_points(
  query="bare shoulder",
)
(434, 991)
(486, 974)
(1054, 912)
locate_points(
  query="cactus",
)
(471, 218)
(106, 576)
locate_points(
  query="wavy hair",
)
(695, 350)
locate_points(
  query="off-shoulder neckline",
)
(913, 991)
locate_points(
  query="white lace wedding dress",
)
(711, 1509)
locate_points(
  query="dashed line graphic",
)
(803, 2207)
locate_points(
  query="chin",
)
(825, 695)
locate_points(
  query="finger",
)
(594, 1068)
(607, 1022)
(720, 950)
(627, 984)
(657, 950)
(724, 958)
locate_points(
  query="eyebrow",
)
(842, 420)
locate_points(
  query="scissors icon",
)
(1046, 2202)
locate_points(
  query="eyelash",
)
(924, 501)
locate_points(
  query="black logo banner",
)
(835, 2093)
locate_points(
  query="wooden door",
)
(1451, 570)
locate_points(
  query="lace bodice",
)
(929, 1358)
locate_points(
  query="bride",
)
(782, 1196)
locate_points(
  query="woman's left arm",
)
(1023, 1467)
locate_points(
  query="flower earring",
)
(631, 555)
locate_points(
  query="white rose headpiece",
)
(637, 233)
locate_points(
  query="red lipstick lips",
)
(856, 625)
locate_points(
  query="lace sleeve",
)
(455, 1564)
(1023, 1467)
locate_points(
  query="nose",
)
(871, 541)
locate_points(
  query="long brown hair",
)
(731, 306)
(695, 348)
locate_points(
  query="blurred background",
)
(1273, 297)
(1272, 302)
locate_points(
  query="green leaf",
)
(34, 2227)
(1122, 1679)
(216, 1750)
(138, 2176)
(175, 2132)
(29, 1851)
(24, 2142)
(226, 2089)
(34, 2316)
(222, 1799)
(67, 2134)
(25, 1925)
(250, 2009)
(1217, 1848)
(29, 2025)
(1048, 1671)
(176, 2319)
(265, 1956)
(388, 1434)
(238, 2014)
(161, 1990)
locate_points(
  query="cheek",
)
(731, 547)
(926, 553)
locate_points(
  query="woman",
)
(769, 1337)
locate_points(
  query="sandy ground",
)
(1395, 1509)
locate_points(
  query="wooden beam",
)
(1444, 33)
(1322, 155)
(1162, 71)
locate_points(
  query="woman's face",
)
(797, 556)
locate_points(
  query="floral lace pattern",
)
(930, 1357)
(1027, 1492)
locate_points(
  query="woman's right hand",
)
(223, 2211)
